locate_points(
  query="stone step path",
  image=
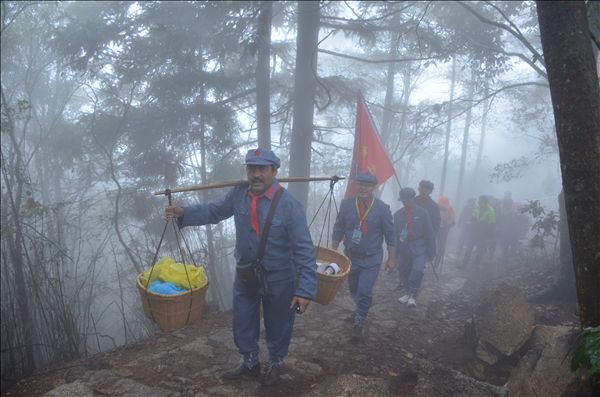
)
(405, 352)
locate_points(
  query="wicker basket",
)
(328, 284)
(171, 312)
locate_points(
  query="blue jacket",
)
(289, 248)
(379, 227)
(423, 241)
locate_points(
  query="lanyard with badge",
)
(408, 216)
(357, 233)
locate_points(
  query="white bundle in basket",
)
(328, 268)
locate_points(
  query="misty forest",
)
(104, 104)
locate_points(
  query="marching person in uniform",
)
(289, 256)
(363, 222)
(424, 201)
(415, 244)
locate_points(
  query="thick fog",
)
(106, 103)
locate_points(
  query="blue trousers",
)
(411, 266)
(360, 283)
(277, 316)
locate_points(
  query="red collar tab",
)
(271, 191)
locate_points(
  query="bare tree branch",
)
(515, 33)
(378, 61)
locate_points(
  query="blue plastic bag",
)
(160, 287)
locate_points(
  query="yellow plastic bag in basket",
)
(167, 270)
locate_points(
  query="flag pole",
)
(397, 179)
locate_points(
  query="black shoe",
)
(241, 371)
(271, 376)
(357, 332)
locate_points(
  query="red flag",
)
(368, 154)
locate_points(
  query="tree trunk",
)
(263, 104)
(216, 294)
(388, 116)
(407, 88)
(465, 145)
(564, 286)
(448, 129)
(14, 185)
(576, 101)
(481, 138)
(305, 84)
(386, 122)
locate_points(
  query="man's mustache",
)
(256, 180)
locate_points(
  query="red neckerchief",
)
(362, 208)
(253, 211)
(410, 226)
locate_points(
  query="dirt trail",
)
(406, 351)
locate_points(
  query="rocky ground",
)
(430, 350)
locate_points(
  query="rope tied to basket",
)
(179, 237)
(327, 224)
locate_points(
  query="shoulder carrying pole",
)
(218, 185)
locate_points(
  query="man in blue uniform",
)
(289, 254)
(362, 223)
(425, 201)
(415, 244)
